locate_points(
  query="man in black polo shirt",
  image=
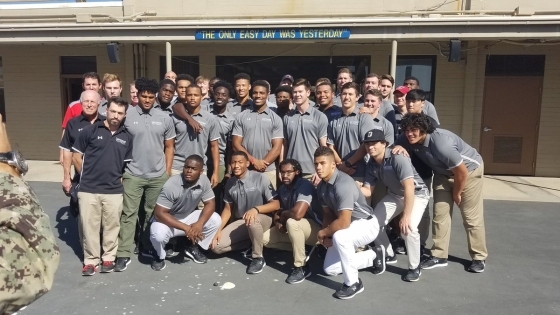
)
(89, 102)
(324, 96)
(101, 152)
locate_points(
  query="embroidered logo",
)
(121, 141)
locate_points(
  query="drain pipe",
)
(393, 63)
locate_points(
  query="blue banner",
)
(273, 34)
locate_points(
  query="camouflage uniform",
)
(29, 255)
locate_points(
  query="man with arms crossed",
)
(259, 133)
(305, 129)
(250, 200)
(298, 221)
(348, 224)
(154, 136)
(458, 171)
(102, 151)
(407, 194)
(176, 213)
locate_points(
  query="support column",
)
(393, 62)
(469, 91)
(168, 57)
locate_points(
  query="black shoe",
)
(477, 266)
(401, 250)
(298, 275)
(158, 264)
(413, 275)
(256, 266)
(170, 253)
(423, 251)
(391, 260)
(348, 292)
(107, 266)
(89, 270)
(433, 262)
(379, 260)
(136, 249)
(196, 255)
(121, 263)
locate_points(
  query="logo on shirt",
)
(80, 129)
(354, 122)
(121, 141)
(136, 123)
(196, 192)
(428, 154)
(250, 189)
(100, 137)
(157, 123)
(202, 123)
(266, 119)
(307, 120)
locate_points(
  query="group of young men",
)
(239, 168)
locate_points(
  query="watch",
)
(15, 159)
(347, 164)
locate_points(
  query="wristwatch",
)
(347, 164)
(15, 159)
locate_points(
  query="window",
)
(180, 65)
(72, 69)
(421, 67)
(273, 69)
(2, 102)
(77, 64)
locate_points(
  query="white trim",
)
(65, 149)
(272, 198)
(24, 6)
(215, 139)
(163, 206)
(346, 209)
(279, 138)
(468, 158)
(456, 165)
(233, 134)
(208, 199)
(171, 138)
(307, 202)
(73, 148)
(128, 160)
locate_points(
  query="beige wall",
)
(33, 93)
(33, 101)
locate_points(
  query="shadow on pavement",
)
(68, 231)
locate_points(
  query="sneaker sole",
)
(392, 262)
(88, 275)
(191, 256)
(259, 271)
(413, 280)
(160, 269)
(300, 281)
(175, 254)
(476, 271)
(125, 266)
(351, 296)
(434, 266)
(106, 271)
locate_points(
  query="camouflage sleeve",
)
(29, 255)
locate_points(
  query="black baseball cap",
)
(374, 135)
(287, 77)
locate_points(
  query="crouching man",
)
(298, 221)
(348, 224)
(176, 213)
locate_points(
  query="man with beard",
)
(101, 153)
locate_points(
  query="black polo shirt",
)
(104, 156)
(73, 129)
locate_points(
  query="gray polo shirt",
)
(303, 131)
(430, 110)
(258, 130)
(206, 104)
(394, 169)
(102, 109)
(168, 110)
(189, 142)
(346, 133)
(443, 150)
(182, 198)
(149, 131)
(302, 190)
(236, 108)
(386, 126)
(341, 193)
(385, 108)
(225, 124)
(336, 100)
(253, 190)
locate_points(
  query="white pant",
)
(161, 233)
(393, 205)
(342, 256)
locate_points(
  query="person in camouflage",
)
(29, 255)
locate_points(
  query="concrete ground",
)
(522, 276)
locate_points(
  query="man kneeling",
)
(175, 213)
(298, 221)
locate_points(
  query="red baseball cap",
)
(403, 89)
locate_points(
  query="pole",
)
(168, 56)
(393, 62)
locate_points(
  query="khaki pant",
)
(299, 233)
(471, 208)
(100, 211)
(238, 236)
